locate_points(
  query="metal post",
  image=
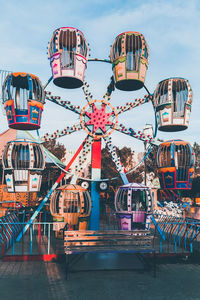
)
(45, 218)
(95, 175)
(145, 165)
(49, 232)
(148, 131)
(31, 239)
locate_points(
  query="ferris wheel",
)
(68, 52)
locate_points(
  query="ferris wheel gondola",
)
(23, 99)
(175, 161)
(172, 101)
(129, 56)
(23, 163)
(68, 53)
(70, 204)
(133, 205)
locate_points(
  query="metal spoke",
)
(65, 104)
(83, 156)
(60, 133)
(88, 95)
(100, 60)
(116, 159)
(138, 135)
(48, 82)
(110, 89)
(130, 105)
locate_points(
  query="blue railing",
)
(176, 231)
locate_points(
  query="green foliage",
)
(151, 161)
(51, 171)
(57, 149)
(109, 169)
(196, 149)
(195, 191)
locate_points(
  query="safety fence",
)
(171, 234)
(10, 227)
(176, 234)
(38, 240)
(45, 237)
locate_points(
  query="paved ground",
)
(46, 281)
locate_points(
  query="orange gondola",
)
(175, 161)
(71, 205)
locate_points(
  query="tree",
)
(151, 161)
(56, 149)
(196, 149)
(51, 171)
(109, 169)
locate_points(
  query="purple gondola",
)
(133, 205)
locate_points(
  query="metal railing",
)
(179, 235)
(178, 232)
(38, 240)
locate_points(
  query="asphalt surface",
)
(46, 281)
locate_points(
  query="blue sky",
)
(172, 31)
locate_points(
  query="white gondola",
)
(172, 102)
(23, 163)
(68, 53)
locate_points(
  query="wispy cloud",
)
(171, 28)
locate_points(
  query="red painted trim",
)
(14, 123)
(44, 257)
(21, 115)
(183, 181)
(70, 163)
(176, 196)
(81, 56)
(28, 113)
(96, 154)
(163, 180)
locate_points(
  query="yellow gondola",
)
(71, 205)
(129, 55)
